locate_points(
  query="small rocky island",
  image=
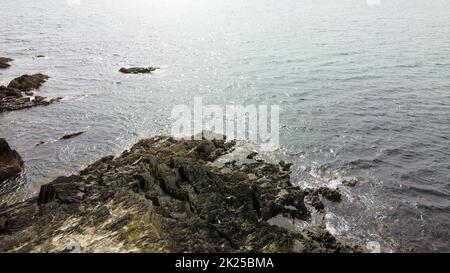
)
(138, 70)
(166, 195)
(19, 94)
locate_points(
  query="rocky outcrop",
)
(20, 93)
(10, 161)
(167, 195)
(4, 62)
(138, 70)
(28, 82)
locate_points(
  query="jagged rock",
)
(28, 82)
(14, 104)
(4, 62)
(138, 70)
(163, 196)
(63, 189)
(285, 166)
(312, 197)
(71, 135)
(12, 97)
(330, 194)
(10, 161)
(252, 155)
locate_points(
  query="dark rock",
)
(28, 82)
(162, 196)
(39, 98)
(138, 70)
(252, 155)
(6, 92)
(11, 162)
(204, 150)
(47, 193)
(72, 135)
(40, 56)
(39, 143)
(12, 97)
(4, 62)
(63, 189)
(14, 104)
(313, 199)
(285, 166)
(3, 225)
(330, 194)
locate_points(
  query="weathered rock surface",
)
(28, 82)
(138, 70)
(19, 93)
(10, 161)
(164, 196)
(4, 62)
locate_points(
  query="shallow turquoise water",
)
(364, 91)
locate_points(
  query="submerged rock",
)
(10, 161)
(4, 62)
(138, 70)
(164, 195)
(72, 135)
(19, 93)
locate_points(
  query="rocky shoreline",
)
(163, 195)
(167, 195)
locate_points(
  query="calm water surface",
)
(364, 91)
